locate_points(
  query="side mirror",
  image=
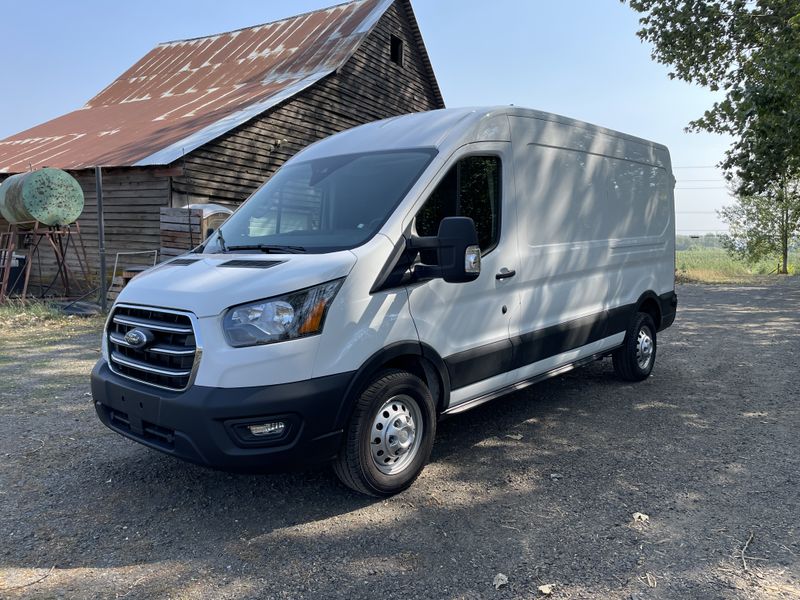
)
(459, 255)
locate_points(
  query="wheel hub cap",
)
(644, 348)
(394, 434)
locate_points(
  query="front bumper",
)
(204, 424)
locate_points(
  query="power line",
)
(719, 187)
(698, 167)
(698, 180)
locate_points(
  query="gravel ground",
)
(541, 485)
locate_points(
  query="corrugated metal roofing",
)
(185, 93)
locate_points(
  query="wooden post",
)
(101, 236)
(7, 246)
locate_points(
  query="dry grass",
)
(714, 265)
(715, 276)
(42, 321)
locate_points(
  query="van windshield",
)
(323, 205)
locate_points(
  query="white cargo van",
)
(389, 275)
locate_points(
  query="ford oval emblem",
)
(136, 338)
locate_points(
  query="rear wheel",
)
(390, 435)
(634, 361)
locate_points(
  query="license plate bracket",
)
(138, 408)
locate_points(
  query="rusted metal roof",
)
(185, 93)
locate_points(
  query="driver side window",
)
(471, 188)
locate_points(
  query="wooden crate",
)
(181, 230)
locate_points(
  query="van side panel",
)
(642, 256)
(561, 205)
(595, 231)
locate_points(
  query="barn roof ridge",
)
(258, 25)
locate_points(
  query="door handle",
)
(505, 274)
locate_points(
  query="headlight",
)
(294, 315)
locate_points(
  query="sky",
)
(579, 58)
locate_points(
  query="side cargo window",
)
(471, 188)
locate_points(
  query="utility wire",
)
(705, 230)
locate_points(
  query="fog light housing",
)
(270, 429)
(264, 430)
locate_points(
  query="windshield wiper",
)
(220, 243)
(269, 248)
(221, 240)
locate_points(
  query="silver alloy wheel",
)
(395, 434)
(644, 348)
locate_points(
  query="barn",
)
(207, 120)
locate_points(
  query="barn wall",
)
(227, 170)
(367, 88)
(132, 199)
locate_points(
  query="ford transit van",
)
(388, 276)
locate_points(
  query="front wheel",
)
(390, 435)
(635, 359)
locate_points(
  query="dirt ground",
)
(541, 486)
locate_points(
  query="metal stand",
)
(34, 234)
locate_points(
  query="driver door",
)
(468, 323)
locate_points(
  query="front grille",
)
(169, 355)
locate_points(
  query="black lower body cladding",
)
(208, 425)
(477, 364)
(669, 308)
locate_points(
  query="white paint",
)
(561, 276)
(136, 99)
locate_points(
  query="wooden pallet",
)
(180, 230)
(118, 282)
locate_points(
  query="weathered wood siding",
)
(181, 230)
(367, 88)
(132, 199)
(227, 170)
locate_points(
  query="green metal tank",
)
(50, 196)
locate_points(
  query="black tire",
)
(356, 464)
(627, 358)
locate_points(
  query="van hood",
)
(207, 284)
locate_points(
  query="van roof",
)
(446, 127)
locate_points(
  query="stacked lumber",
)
(181, 230)
(120, 281)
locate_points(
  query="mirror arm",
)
(426, 272)
(421, 272)
(423, 243)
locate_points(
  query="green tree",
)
(748, 50)
(764, 225)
